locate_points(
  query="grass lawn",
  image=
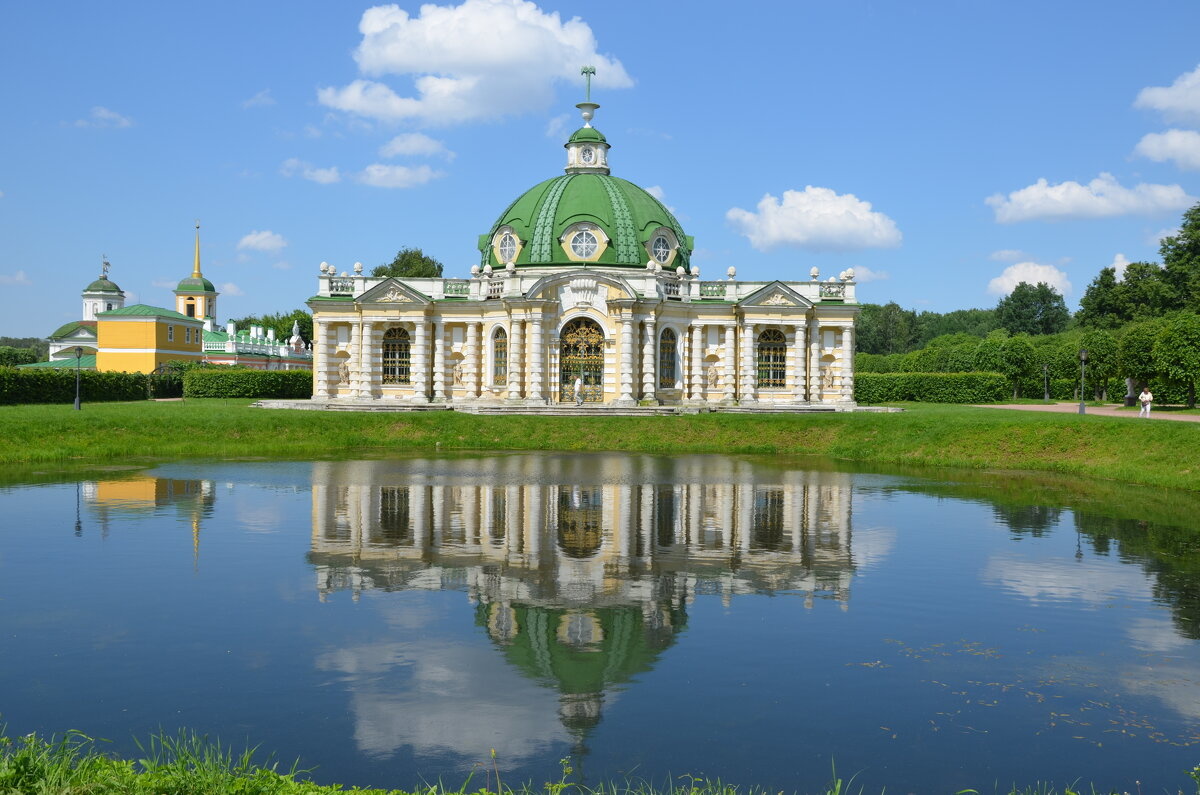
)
(1164, 454)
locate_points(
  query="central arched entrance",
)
(581, 356)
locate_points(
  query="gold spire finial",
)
(196, 265)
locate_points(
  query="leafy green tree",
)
(976, 322)
(11, 357)
(960, 358)
(885, 328)
(1017, 360)
(1181, 260)
(989, 354)
(1177, 352)
(1135, 351)
(410, 263)
(282, 323)
(1146, 292)
(1033, 309)
(40, 347)
(1101, 305)
(1101, 346)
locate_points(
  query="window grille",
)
(772, 357)
(500, 358)
(397, 357)
(666, 359)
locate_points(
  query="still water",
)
(392, 621)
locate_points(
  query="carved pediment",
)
(777, 299)
(394, 295)
(777, 294)
(392, 291)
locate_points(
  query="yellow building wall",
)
(139, 346)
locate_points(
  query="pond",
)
(392, 621)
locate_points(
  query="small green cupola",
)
(587, 148)
(196, 296)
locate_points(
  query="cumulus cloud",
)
(1030, 273)
(18, 278)
(261, 99)
(264, 240)
(415, 144)
(1119, 264)
(381, 176)
(817, 219)
(864, 274)
(481, 59)
(1182, 147)
(556, 128)
(657, 192)
(1180, 100)
(229, 288)
(295, 167)
(104, 118)
(1103, 197)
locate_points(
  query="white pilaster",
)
(320, 360)
(696, 374)
(537, 360)
(368, 360)
(848, 364)
(439, 362)
(649, 358)
(356, 359)
(749, 376)
(420, 362)
(516, 361)
(472, 354)
(814, 363)
(626, 370)
(729, 362)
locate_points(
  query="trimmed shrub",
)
(18, 386)
(872, 388)
(232, 382)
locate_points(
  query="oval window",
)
(661, 248)
(507, 247)
(584, 244)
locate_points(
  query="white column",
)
(814, 363)
(439, 362)
(649, 360)
(799, 348)
(320, 360)
(537, 362)
(420, 362)
(368, 373)
(626, 372)
(516, 362)
(848, 363)
(696, 338)
(356, 359)
(729, 388)
(472, 356)
(749, 376)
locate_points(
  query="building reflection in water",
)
(581, 567)
(112, 502)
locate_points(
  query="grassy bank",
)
(1164, 454)
(191, 765)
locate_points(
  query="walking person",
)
(578, 391)
(1144, 400)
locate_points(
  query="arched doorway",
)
(581, 355)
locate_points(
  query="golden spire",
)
(196, 266)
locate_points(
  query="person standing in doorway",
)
(578, 391)
(1144, 400)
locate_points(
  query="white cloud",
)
(324, 176)
(415, 144)
(1, 194)
(481, 59)
(1179, 146)
(1008, 255)
(815, 218)
(864, 274)
(18, 278)
(557, 127)
(1180, 100)
(229, 288)
(1030, 273)
(657, 192)
(381, 176)
(1118, 264)
(264, 240)
(104, 118)
(1156, 238)
(1054, 581)
(1103, 197)
(261, 99)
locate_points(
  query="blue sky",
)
(946, 150)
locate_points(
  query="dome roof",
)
(102, 285)
(195, 284)
(586, 133)
(628, 215)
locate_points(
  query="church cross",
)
(104, 266)
(587, 73)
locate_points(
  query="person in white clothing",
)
(1144, 400)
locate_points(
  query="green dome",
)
(102, 285)
(586, 134)
(628, 215)
(193, 284)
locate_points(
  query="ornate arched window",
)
(771, 359)
(500, 358)
(397, 357)
(667, 345)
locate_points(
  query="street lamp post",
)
(78, 353)
(1082, 380)
(1046, 379)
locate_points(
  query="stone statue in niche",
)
(713, 377)
(343, 373)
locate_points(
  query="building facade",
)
(585, 277)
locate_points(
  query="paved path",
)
(1101, 411)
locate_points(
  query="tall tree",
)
(1177, 352)
(1181, 260)
(1101, 346)
(885, 328)
(976, 322)
(1033, 309)
(1135, 351)
(1101, 304)
(410, 263)
(1017, 360)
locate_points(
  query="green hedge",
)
(56, 385)
(230, 382)
(871, 388)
